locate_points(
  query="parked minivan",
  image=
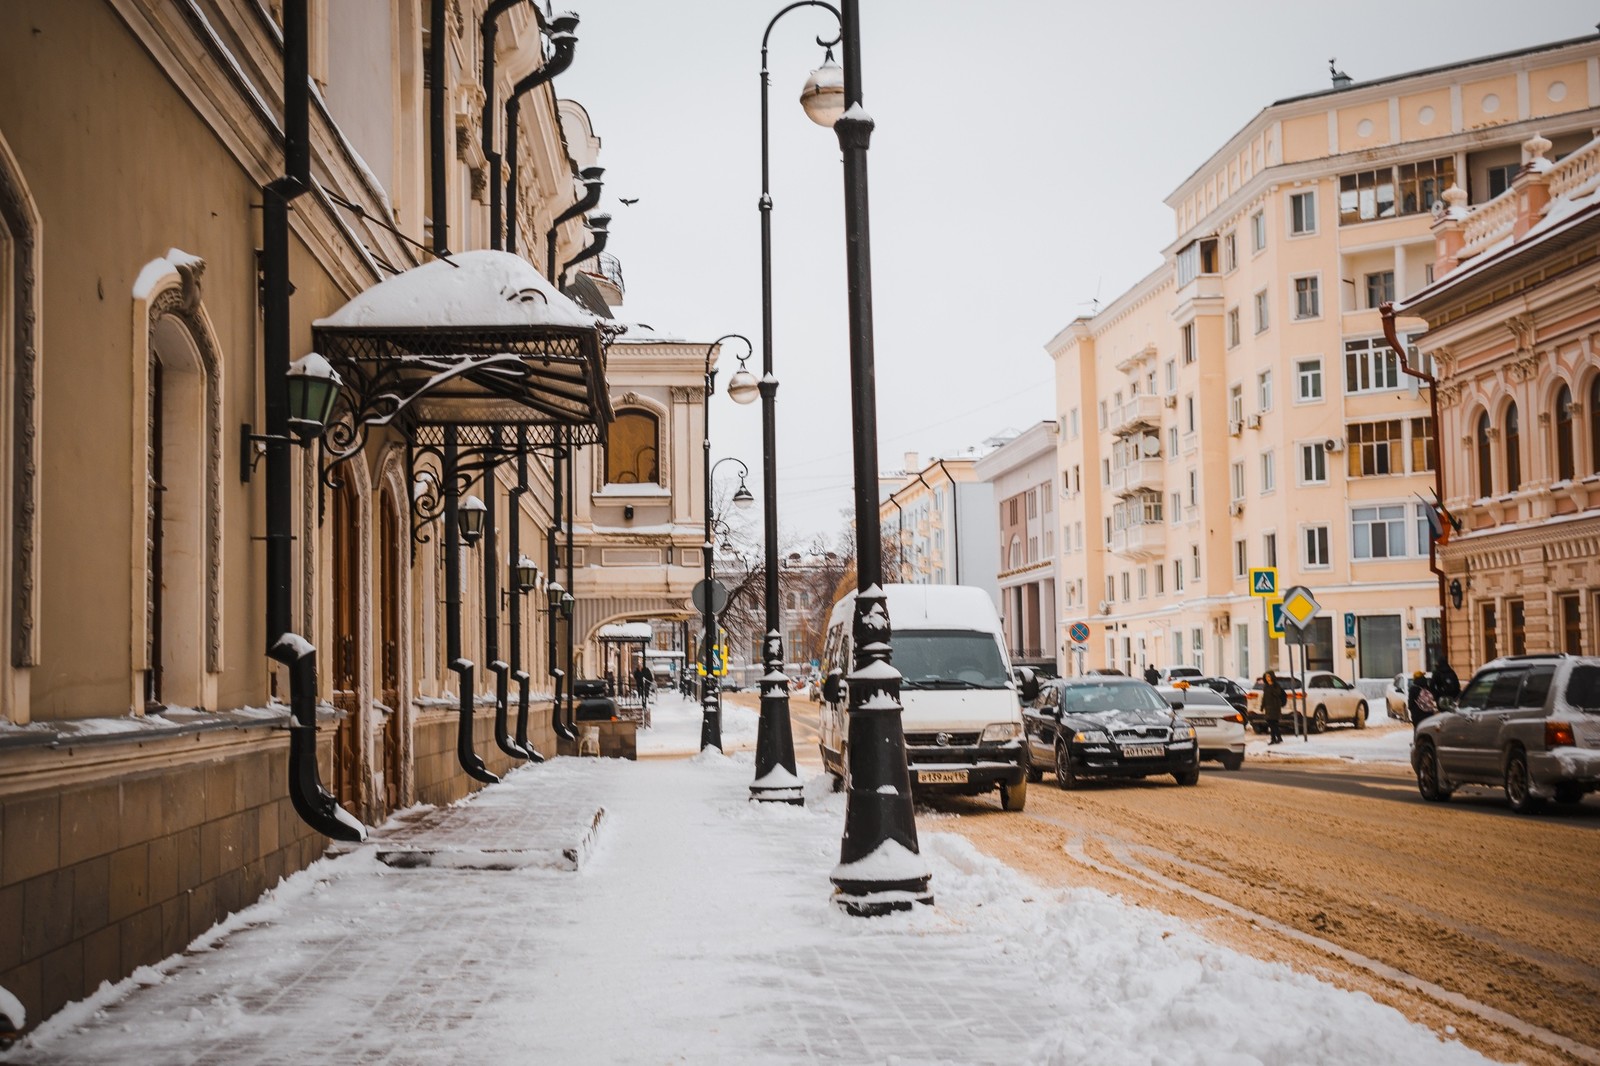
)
(962, 714)
(1527, 723)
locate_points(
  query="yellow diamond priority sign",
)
(1299, 607)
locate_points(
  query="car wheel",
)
(1519, 792)
(1361, 715)
(1428, 783)
(1187, 777)
(1569, 793)
(1014, 797)
(1319, 720)
(1034, 773)
(1064, 775)
(1233, 760)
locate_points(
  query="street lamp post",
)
(710, 695)
(880, 868)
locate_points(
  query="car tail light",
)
(1559, 733)
(1235, 717)
(1252, 695)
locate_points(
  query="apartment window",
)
(1308, 380)
(1197, 642)
(1241, 558)
(1316, 546)
(1233, 327)
(1269, 549)
(1236, 403)
(1126, 587)
(1143, 583)
(1258, 231)
(1072, 423)
(631, 449)
(1491, 633)
(1077, 530)
(1500, 178)
(1230, 252)
(1197, 258)
(1044, 494)
(1378, 532)
(1161, 581)
(1194, 561)
(1033, 503)
(1380, 288)
(1409, 189)
(1307, 298)
(1269, 471)
(1172, 443)
(1513, 450)
(1111, 587)
(1188, 413)
(1077, 477)
(1519, 627)
(1243, 638)
(1423, 446)
(1236, 482)
(1033, 549)
(1264, 391)
(1485, 469)
(1375, 448)
(1261, 311)
(1177, 507)
(1302, 213)
(1423, 526)
(1190, 349)
(1566, 465)
(1102, 414)
(1313, 463)
(1177, 575)
(1194, 487)
(1370, 365)
(1172, 375)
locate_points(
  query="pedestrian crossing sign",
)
(1263, 581)
(1274, 618)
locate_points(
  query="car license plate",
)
(942, 777)
(1202, 721)
(1146, 751)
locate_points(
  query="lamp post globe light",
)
(880, 868)
(472, 512)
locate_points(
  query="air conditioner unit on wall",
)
(1333, 444)
(1236, 508)
(1235, 428)
(1170, 401)
(1252, 421)
(1105, 606)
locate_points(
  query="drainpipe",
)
(491, 604)
(557, 675)
(590, 176)
(518, 605)
(955, 519)
(572, 465)
(466, 752)
(598, 226)
(440, 209)
(489, 29)
(564, 41)
(1386, 310)
(316, 807)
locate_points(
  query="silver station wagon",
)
(1528, 723)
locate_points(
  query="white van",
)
(962, 718)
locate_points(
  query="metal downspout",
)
(557, 675)
(466, 751)
(572, 464)
(313, 803)
(598, 226)
(491, 604)
(590, 176)
(564, 42)
(489, 28)
(518, 674)
(955, 519)
(1386, 310)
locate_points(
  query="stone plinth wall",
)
(439, 778)
(618, 739)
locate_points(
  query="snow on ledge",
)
(477, 288)
(626, 631)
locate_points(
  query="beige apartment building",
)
(1514, 319)
(1023, 473)
(1239, 408)
(940, 514)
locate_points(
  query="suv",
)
(1527, 723)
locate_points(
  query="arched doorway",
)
(345, 667)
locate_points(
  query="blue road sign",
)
(1263, 581)
(1349, 624)
(1079, 632)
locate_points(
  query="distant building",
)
(1239, 408)
(939, 515)
(1022, 472)
(1514, 323)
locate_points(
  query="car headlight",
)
(1090, 736)
(999, 733)
(1183, 731)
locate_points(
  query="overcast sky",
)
(1022, 152)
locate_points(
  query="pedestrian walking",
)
(1446, 685)
(1151, 677)
(1272, 700)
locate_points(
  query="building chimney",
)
(913, 462)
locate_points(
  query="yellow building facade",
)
(1238, 408)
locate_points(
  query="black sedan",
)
(1115, 727)
(1227, 688)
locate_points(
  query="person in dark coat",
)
(1446, 685)
(1273, 699)
(1150, 675)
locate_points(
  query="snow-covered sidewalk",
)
(1384, 740)
(675, 726)
(700, 930)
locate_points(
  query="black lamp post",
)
(710, 691)
(880, 868)
(775, 778)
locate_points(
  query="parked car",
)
(1253, 716)
(1103, 726)
(1169, 674)
(1218, 726)
(1529, 724)
(1328, 698)
(1394, 697)
(1227, 688)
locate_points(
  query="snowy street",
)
(697, 929)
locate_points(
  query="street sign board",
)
(719, 596)
(1079, 632)
(1274, 618)
(1349, 625)
(1263, 581)
(1299, 606)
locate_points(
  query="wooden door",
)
(346, 659)
(388, 608)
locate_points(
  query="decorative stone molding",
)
(1520, 370)
(21, 221)
(1444, 361)
(1449, 395)
(686, 393)
(1522, 328)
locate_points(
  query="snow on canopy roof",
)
(625, 631)
(478, 288)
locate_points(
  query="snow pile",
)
(1381, 742)
(480, 288)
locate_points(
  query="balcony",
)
(1146, 540)
(1138, 476)
(1137, 414)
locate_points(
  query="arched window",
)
(1485, 467)
(1513, 450)
(1594, 425)
(632, 449)
(1565, 463)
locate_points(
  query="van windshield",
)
(948, 658)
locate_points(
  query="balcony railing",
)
(1136, 414)
(1139, 476)
(1145, 540)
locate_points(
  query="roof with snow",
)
(626, 631)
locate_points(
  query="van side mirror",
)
(1027, 685)
(833, 686)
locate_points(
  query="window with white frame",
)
(1072, 423)
(1235, 403)
(1258, 231)
(1307, 380)
(1372, 194)
(1230, 252)
(1303, 213)
(1188, 413)
(1315, 544)
(1236, 482)
(1172, 443)
(1307, 297)
(1198, 643)
(1378, 532)
(1194, 487)
(1313, 463)
(1233, 327)
(1177, 507)
(1177, 575)
(1172, 375)
(1102, 414)
(1242, 638)
(1194, 561)
(1143, 583)
(1264, 391)
(1161, 580)
(1261, 311)
(1269, 471)
(1241, 558)
(1105, 471)
(1191, 347)
(1375, 449)
(1269, 549)
(1380, 288)
(1370, 365)
(1111, 587)
(1126, 587)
